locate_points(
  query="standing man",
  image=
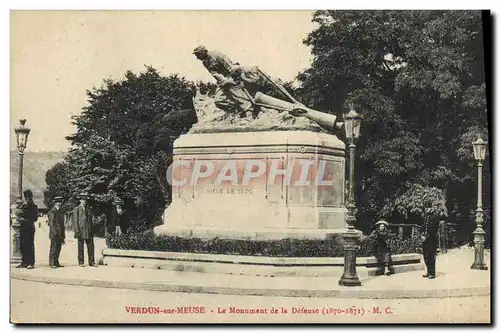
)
(117, 220)
(56, 232)
(29, 215)
(123, 220)
(429, 240)
(83, 223)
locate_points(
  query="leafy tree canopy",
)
(417, 78)
(123, 142)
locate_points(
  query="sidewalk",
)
(454, 278)
(69, 251)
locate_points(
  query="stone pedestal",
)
(257, 185)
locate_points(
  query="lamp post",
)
(479, 154)
(352, 124)
(22, 133)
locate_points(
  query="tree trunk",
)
(161, 176)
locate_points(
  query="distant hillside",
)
(36, 165)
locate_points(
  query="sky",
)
(55, 56)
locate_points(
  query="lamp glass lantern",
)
(22, 133)
(352, 124)
(479, 149)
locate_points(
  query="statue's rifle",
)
(279, 87)
(326, 120)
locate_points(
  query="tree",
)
(118, 109)
(156, 140)
(56, 179)
(418, 79)
(122, 142)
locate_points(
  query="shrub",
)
(148, 241)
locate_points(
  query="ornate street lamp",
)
(479, 154)
(22, 133)
(352, 125)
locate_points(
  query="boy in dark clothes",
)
(381, 235)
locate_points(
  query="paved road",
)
(46, 303)
(34, 302)
(69, 250)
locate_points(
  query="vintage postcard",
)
(324, 166)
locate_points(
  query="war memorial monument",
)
(258, 165)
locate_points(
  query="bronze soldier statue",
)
(254, 80)
(229, 96)
(242, 89)
(56, 232)
(83, 223)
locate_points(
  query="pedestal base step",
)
(249, 265)
(252, 234)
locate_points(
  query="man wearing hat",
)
(217, 63)
(56, 232)
(429, 240)
(383, 255)
(83, 223)
(118, 220)
(229, 96)
(29, 215)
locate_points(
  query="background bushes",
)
(148, 241)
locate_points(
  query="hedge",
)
(148, 241)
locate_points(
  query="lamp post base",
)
(349, 282)
(479, 257)
(15, 256)
(479, 249)
(15, 261)
(350, 277)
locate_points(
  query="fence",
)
(98, 228)
(446, 233)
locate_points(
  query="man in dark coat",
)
(83, 223)
(28, 217)
(56, 232)
(429, 241)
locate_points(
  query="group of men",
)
(82, 220)
(83, 223)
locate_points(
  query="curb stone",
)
(344, 292)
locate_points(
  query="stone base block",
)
(252, 265)
(263, 234)
(266, 185)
